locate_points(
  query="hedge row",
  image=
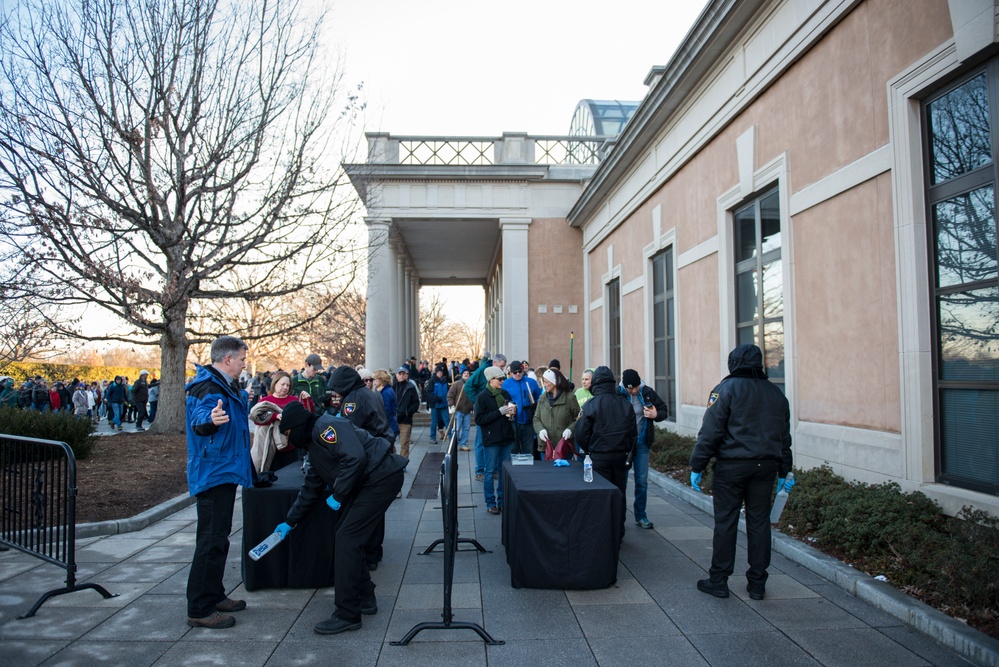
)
(66, 427)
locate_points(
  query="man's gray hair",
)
(499, 357)
(224, 346)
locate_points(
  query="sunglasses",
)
(516, 372)
(369, 381)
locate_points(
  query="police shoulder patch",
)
(712, 398)
(349, 407)
(329, 435)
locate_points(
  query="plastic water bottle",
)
(779, 502)
(258, 552)
(587, 469)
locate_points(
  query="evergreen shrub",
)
(78, 433)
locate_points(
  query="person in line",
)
(140, 398)
(557, 411)
(747, 431)
(461, 408)
(607, 431)
(114, 396)
(583, 393)
(218, 460)
(408, 397)
(268, 432)
(494, 415)
(473, 387)
(649, 408)
(309, 386)
(525, 392)
(381, 383)
(365, 476)
(81, 400)
(436, 393)
(154, 398)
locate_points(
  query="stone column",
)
(378, 317)
(514, 334)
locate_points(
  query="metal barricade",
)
(38, 506)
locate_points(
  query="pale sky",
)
(447, 68)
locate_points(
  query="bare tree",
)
(28, 330)
(150, 150)
(443, 337)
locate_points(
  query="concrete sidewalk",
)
(653, 615)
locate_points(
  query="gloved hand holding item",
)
(785, 484)
(450, 410)
(332, 502)
(543, 435)
(283, 529)
(695, 481)
(567, 434)
(504, 410)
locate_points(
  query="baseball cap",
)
(516, 366)
(314, 360)
(402, 369)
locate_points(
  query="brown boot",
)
(229, 605)
(214, 621)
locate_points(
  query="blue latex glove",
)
(332, 502)
(785, 484)
(695, 481)
(561, 463)
(283, 529)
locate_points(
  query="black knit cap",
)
(297, 421)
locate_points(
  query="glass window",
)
(614, 327)
(961, 201)
(664, 329)
(759, 310)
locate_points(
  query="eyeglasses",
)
(516, 372)
(368, 381)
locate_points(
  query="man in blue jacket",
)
(218, 459)
(525, 392)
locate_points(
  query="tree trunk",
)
(170, 413)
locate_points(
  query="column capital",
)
(375, 222)
(515, 223)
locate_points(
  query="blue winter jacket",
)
(217, 454)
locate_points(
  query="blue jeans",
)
(462, 422)
(495, 456)
(641, 468)
(480, 456)
(152, 410)
(438, 419)
(116, 413)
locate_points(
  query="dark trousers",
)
(204, 584)
(140, 415)
(524, 441)
(351, 580)
(612, 468)
(737, 483)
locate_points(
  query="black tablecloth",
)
(302, 560)
(559, 531)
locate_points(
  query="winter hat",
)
(630, 378)
(143, 372)
(493, 372)
(516, 366)
(296, 419)
(554, 363)
(550, 376)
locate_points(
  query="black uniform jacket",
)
(608, 422)
(408, 401)
(346, 459)
(748, 417)
(363, 407)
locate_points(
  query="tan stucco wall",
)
(847, 322)
(556, 265)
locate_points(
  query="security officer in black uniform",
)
(365, 477)
(366, 410)
(747, 429)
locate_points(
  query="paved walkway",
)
(652, 616)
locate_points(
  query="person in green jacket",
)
(555, 416)
(8, 394)
(583, 393)
(476, 385)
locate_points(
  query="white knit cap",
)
(550, 376)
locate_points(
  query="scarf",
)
(498, 395)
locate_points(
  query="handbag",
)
(563, 450)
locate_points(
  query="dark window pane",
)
(671, 357)
(659, 319)
(969, 435)
(770, 222)
(965, 230)
(746, 335)
(746, 302)
(969, 335)
(660, 357)
(745, 234)
(959, 130)
(671, 403)
(658, 275)
(773, 349)
(669, 270)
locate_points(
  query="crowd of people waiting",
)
(119, 400)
